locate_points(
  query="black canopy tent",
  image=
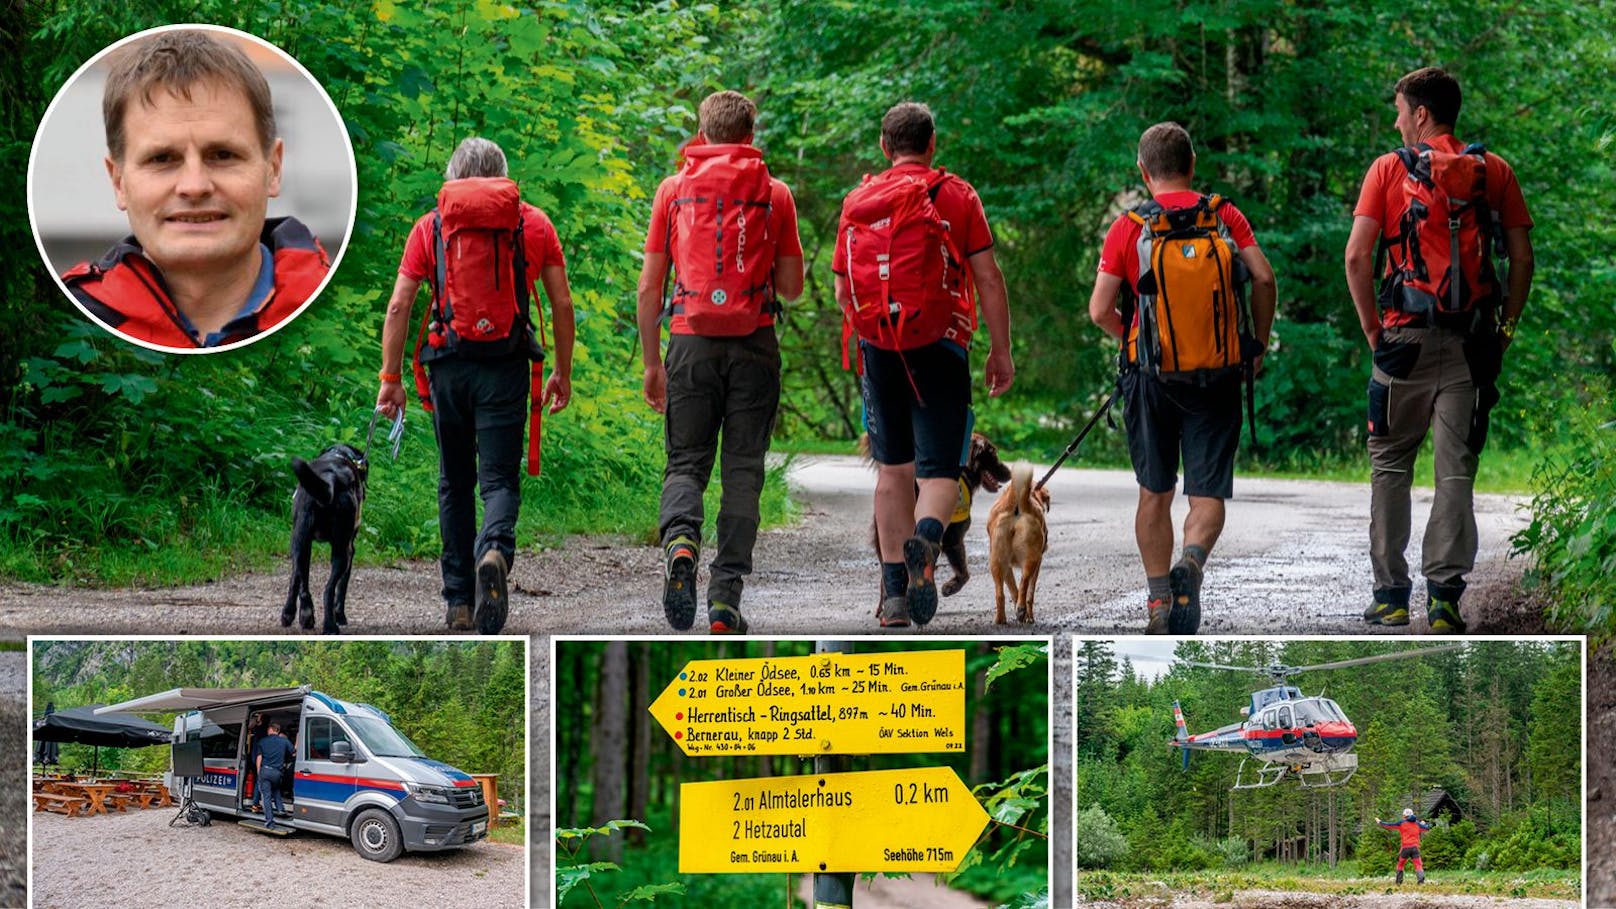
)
(83, 726)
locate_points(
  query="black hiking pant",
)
(479, 407)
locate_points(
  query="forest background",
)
(1494, 727)
(461, 703)
(612, 761)
(118, 465)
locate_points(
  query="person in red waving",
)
(1409, 831)
(1437, 344)
(479, 387)
(1172, 413)
(194, 159)
(913, 353)
(722, 247)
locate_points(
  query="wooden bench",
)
(60, 804)
(120, 800)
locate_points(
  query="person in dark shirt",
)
(271, 757)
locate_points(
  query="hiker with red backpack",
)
(1172, 285)
(913, 255)
(1442, 212)
(480, 251)
(722, 250)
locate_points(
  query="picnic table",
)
(58, 803)
(96, 793)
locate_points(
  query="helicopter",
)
(1307, 738)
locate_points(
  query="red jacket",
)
(125, 292)
(1408, 830)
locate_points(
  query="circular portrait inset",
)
(192, 188)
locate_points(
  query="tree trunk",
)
(640, 717)
(610, 744)
(981, 728)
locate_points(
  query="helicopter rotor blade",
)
(1260, 670)
(1362, 661)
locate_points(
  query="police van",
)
(354, 774)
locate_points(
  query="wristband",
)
(1507, 328)
(390, 376)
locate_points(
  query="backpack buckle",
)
(884, 266)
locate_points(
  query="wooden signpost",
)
(831, 703)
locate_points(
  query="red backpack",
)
(723, 266)
(480, 288)
(906, 279)
(1440, 262)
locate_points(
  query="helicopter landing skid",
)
(1267, 775)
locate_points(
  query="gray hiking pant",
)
(728, 387)
(1421, 381)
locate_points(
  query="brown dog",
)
(1018, 535)
(982, 470)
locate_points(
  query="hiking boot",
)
(1389, 608)
(458, 616)
(1159, 611)
(1419, 877)
(894, 612)
(1444, 617)
(491, 599)
(725, 619)
(1399, 877)
(679, 583)
(920, 557)
(1185, 615)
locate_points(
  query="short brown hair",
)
(727, 117)
(1165, 151)
(907, 128)
(1436, 91)
(176, 61)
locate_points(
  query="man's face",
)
(194, 178)
(1406, 124)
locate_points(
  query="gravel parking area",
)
(135, 860)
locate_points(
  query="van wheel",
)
(376, 835)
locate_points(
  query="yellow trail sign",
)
(922, 819)
(828, 703)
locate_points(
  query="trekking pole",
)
(1079, 440)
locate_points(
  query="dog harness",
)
(962, 510)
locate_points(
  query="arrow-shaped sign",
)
(828, 703)
(922, 819)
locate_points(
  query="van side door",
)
(322, 787)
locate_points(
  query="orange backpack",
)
(1439, 258)
(1193, 321)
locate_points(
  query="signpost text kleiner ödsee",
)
(922, 819)
(828, 703)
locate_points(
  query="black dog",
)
(326, 507)
(982, 470)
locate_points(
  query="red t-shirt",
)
(782, 226)
(540, 246)
(1120, 255)
(1380, 193)
(957, 204)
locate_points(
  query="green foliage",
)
(572, 841)
(1013, 657)
(1572, 536)
(1099, 843)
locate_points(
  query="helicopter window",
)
(1305, 714)
(1284, 718)
(1333, 709)
(1268, 719)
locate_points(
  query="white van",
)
(354, 775)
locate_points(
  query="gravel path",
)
(136, 861)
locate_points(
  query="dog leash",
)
(394, 435)
(1079, 440)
